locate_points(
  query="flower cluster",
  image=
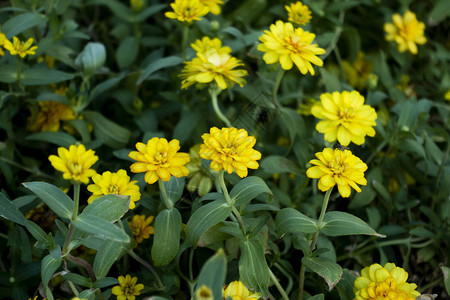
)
(406, 31)
(127, 288)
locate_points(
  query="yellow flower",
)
(338, 167)
(187, 10)
(3, 40)
(20, 48)
(140, 227)
(359, 72)
(447, 95)
(159, 159)
(127, 288)
(388, 282)
(213, 66)
(406, 32)
(213, 6)
(75, 163)
(204, 293)
(236, 290)
(50, 115)
(290, 46)
(230, 149)
(136, 5)
(114, 183)
(345, 117)
(298, 13)
(36, 298)
(205, 44)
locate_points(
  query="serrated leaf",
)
(212, 275)
(247, 189)
(289, 220)
(337, 223)
(108, 207)
(166, 240)
(106, 257)
(328, 270)
(97, 226)
(159, 64)
(10, 212)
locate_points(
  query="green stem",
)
(162, 189)
(148, 266)
(277, 284)
(337, 35)
(276, 87)
(191, 258)
(228, 199)
(73, 288)
(76, 199)
(19, 71)
(214, 92)
(4, 236)
(301, 279)
(184, 41)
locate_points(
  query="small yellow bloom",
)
(298, 13)
(230, 149)
(388, 282)
(338, 167)
(159, 159)
(136, 5)
(205, 44)
(114, 183)
(447, 95)
(20, 48)
(289, 46)
(127, 288)
(204, 293)
(406, 32)
(187, 10)
(3, 40)
(50, 115)
(345, 117)
(359, 72)
(75, 163)
(140, 227)
(236, 290)
(213, 6)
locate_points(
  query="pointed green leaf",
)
(41, 76)
(174, 188)
(279, 164)
(106, 257)
(289, 220)
(58, 138)
(48, 268)
(328, 270)
(337, 223)
(10, 212)
(22, 22)
(108, 207)
(212, 275)
(247, 189)
(97, 226)
(127, 52)
(159, 64)
(167, 236)
(111, 133)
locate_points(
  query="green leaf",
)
(212, 275)
(337, 223)
(441, 10)
(253, 268)
(8, 73)
(159, 64)
(328, 270)
(106, 257)
(167, 236)
(22, 22)
(78, 279)
(330, 80)
(316, 297)
(48, 268)
(127, 52)
(381, 69)
(289, 220)
(97, 226)
(446, 273)
(247, 189)
(101, 88)
(91, 58)
(10, 212)
(108, 207)
(204, 218)
(40, 234)
(119, 9)
(58, 138)
(104, 282)
(111, 133)
(174, 188)
(56, 199)
(42, 76)
(292, 122)
(279, 164)
(345, 285)
(186, 125)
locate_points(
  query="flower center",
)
(113, 189)
(75, 168)
(386, 289)
(346, 114)
(161, 158)
(294, 43)
(229, 150)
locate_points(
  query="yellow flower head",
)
(298, 13)
(359, 72)
(205, 44)
(230, 149)
(236, 290)
(213, 6)
(345, 117)
(447, 95)
(213, 65)
(338, 167)
(159, 159)
(290, 46)
(75, 163)
(50, 115)
(127, 288)
(136, 5)
(20, 48)
(187, 10)
(140, 227)
(388, 282)
(406, 32)
(114, 183)
(3, 40)
(204, 293)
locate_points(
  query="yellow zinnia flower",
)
(236, 290)
(388, 282)
(50, 115)
(114, 183)
(345, 117)
(230, 149)
(406, 32)
(447, 95)
(338, 167)
(298, 13)
(290, 46)
(213, 6)
(187, 10)
(127, 288)
(75, 163)
(20, 48)
(140, 227)
(3, 40)
(205, 44)
(159, 159)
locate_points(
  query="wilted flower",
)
(289, 45)
(298, 13)
(159, 159)
(140, 227)
(359, 72)
(127, 288)
(230, 149)
(406, 32)
(20, 48)
(187, 10)
(236, 290)
(345, 117)
(340, 168)
(75, 163)
(213, 6)
(388, 282)
(114, 183)
(50, 115)
(205, 44)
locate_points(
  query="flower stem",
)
(19, 71)
(276, 86)
(184, 41)
(228, 199)
(148, 266)
(214, 93)
(162, 189)
(76, 201)
(277, 284)
(73, 288)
